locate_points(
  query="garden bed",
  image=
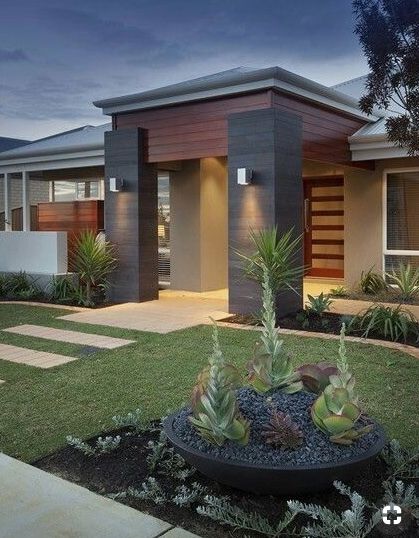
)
(329, 323)
(127, 467)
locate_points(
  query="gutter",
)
(237, 82)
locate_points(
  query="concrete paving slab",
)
(172, 312)
(2, 381)
(40, 359)
(36, 504)
(73, 337)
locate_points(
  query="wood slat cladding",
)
(131, 216)
(269, 142)
(71, 217)
(325, 131)
(199, 129)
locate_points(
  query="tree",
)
(388, 31)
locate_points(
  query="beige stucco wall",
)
(198, 225)
(364, 216)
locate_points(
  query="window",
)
(67, 191)
(401, 219)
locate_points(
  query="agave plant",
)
(372, 283)
(316, 377)
(406, 281)
(215, 413)
(93, 259)
(277, 254)
(270, 367)
(318, 305)
(336, 411)
(282, 431)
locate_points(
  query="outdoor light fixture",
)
(115, 184)
(244, 176)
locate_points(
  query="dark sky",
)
(57, 57)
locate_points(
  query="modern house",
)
(238, 149)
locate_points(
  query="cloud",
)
(16, 55)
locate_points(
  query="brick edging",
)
(410, 350)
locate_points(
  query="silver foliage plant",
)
(133, 420)
(104, 445)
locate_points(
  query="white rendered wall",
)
(33, 252)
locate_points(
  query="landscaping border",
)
(397, 346)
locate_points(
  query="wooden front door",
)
(324, 226)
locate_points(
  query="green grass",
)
(38, 408)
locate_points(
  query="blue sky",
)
(57, 57)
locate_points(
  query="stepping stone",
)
(40, 359)
(2, 381)
(73, 337)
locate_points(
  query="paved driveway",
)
(173, 311)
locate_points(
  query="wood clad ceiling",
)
(195, 130)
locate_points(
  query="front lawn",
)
(38, 408)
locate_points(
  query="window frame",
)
(386, 251)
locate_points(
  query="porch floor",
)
(173, 311)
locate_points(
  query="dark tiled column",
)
(268, 141)
(131, 216)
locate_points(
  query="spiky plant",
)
(406, 281)
(93, 259)
(278, 254)
(336, 410)
(282, 431)
(270, 367)
(215, 412)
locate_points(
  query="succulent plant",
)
(270, 367)
(216, 416)
(282, 431)
(336, 410)
(316, 377)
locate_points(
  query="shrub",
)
(93, 259)
(396, 323)
(318, 305)
(62, 289)
(372, 283)
(406, 281)
(339, 291)
(278, 255)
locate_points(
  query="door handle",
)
(307, 214)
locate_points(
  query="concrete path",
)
(41, 359)
(173, 311)
(74, 337)
(36, 504)
(353, 307)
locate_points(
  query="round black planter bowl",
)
(273, 480)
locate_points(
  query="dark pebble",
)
(316, 447)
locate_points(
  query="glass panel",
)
(393, 262)
(64, 191)
(81, 190)
(326, 220)
(402, 211)
(327, 249)
(327, 264)
(327, 234)
(327, 191)
(328, 206)
(163, 229)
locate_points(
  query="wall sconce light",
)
(115, 184)
(244, 176)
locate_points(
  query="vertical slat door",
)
(324, 227)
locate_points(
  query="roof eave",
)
(271, 78)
